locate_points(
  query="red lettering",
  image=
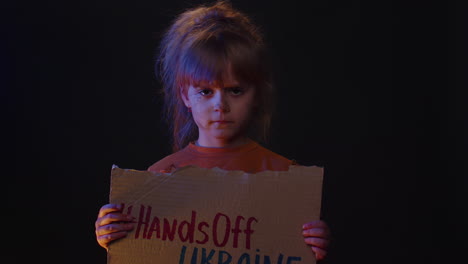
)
(248, 231)
(129, 209)
(190, 229)
(200, 228)
(142, 222)
(227, 230)
(155, 227)
(236, 230)
(168, 231)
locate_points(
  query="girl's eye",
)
(205, 92)
(236, 90)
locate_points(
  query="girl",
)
(218, 92)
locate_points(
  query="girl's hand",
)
(317, 236)
(111, 224)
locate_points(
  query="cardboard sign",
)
(212, 216)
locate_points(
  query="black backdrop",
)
(372, 91)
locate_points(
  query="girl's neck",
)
(221, 143)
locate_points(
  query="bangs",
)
(208, 61)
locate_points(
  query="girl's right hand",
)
(112, 224)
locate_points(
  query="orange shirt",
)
(250, 157)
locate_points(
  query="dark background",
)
(371, 90)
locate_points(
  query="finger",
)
(317, 242)
(315, 224)
(319, 253)
(104, 240)
(113, 228)
(113, 217)
(316, 232)
(108, 208)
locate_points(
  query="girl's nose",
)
(221, 104)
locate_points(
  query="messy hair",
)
(198, 47)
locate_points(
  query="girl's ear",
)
(184, 95)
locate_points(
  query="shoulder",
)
(168, 163)
(269, 153)
(272, 160)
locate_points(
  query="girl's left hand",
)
(317, 236)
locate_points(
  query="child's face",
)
(222, 113)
